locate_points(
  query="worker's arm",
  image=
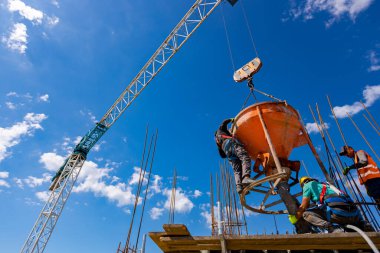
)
(304, 205)
(362, 161)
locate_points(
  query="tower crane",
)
(68, 173)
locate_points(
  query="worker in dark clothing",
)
(333, 206)
(230, 148)
(368, 172)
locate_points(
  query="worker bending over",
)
(229, 147)
(368, 172)
(333, 206)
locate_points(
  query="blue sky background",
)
(64, 63)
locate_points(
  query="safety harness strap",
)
(323, 192)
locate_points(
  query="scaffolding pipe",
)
(219, 218)
(143, 244)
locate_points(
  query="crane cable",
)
(227, 38)
(249, 29)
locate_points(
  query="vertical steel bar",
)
(362, 135)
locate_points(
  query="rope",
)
(249, 28)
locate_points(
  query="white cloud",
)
(197, 194)
(4, 175)
(52, 161)
(92, 179)
(374, 60)
(19, 182)
(27, 12)
(157, 184)
(89, 114)
(17, 39)
(12, 94)
(336, 8)
(34, 181)
(52, 21)
(44, 98)
(182, 202)
(55, 3)
(30, 202)
(10, 105)
(135, 178)
(312, 128)
(97, 146)
(155, 213)
(206, 214)
(11, 136)
(43, 196)
(4, 183)
(370, 94)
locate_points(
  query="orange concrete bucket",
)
(283, 124)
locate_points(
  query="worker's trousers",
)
(317, 217)
(240, 162)
(292, 204)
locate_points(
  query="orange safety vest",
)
(369, 171)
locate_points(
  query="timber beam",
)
(177, 238)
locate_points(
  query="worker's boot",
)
(335, 229)
(247, 180)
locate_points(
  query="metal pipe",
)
(143, 244)
(366, 238)
(219, 218)
(269, 140)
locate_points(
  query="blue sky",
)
(64, 63)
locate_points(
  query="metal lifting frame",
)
(44, 226)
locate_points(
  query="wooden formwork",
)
(177, 238)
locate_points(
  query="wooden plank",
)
(176, 229)
(177, 238)
(155, 236)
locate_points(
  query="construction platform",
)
(177, 238)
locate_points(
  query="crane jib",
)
(90, 139)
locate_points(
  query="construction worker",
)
(333, 206)
(229, 147)
(368, 172)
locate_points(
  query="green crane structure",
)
(69, 171)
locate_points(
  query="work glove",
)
(293, 219)
(346, 170)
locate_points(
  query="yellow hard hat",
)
(304, 179)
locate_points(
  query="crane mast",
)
(68, 173)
